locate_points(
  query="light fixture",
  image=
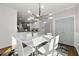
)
(28, 19)
(31, 17)
(28, 24)
(42, 6)
(50, 14)
(44, 22)
(29, 11)
(50, 17)
(35, 23)
(39, 16)
(36, 19)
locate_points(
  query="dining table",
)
(38, 41)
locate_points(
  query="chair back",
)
(20, 47)
(56, 42)
(49, 34)
(35, 34)
(51, 44)
(48, 48)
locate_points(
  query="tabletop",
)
(35, 41)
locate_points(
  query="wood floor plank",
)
(71, 50)
(5, 50)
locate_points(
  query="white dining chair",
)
(47, 49)
(35, 34)
(56, 52)
(23, 51)
(56, 42)
(49, 34)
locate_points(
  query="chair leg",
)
(57, 53)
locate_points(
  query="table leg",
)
(36, 51)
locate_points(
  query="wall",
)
(64, 14)
(48, 26)
(8, 25)
(74, 11)
(77, 18)
(76, 41)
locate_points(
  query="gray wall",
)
(48, 26)
(76, 41)
(74, 11)
(65, 14)
(8, 25)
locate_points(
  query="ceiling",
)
(34, 7)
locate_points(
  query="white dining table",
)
(48, 37)
(36, 41)
(32, 40)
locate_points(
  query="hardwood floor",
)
(71, 50)
(5, 50)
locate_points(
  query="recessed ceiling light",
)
(29, 11)
(42, 6)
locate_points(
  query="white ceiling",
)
(48, 7)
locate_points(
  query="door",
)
(65, 28)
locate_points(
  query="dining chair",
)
(56, 42)
(56, 52)
(47, 49)
(23, 51)
(35, 34)
(49, 34)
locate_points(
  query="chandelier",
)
(39, 17)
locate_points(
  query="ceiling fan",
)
(39, 17)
